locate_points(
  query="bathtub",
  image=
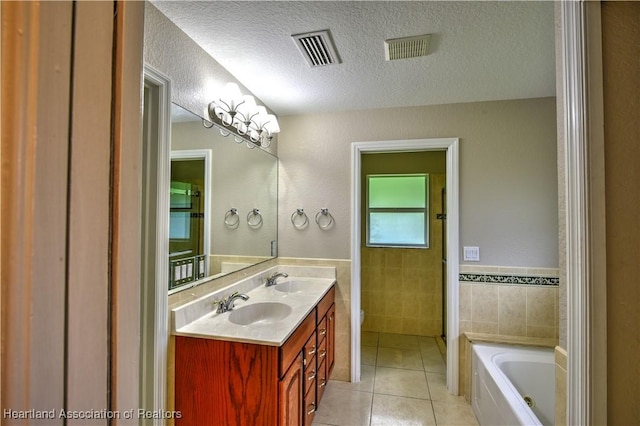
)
(513, 385)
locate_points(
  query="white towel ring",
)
(255, 213)
(229, 218)
(297, 214)
(327, 221)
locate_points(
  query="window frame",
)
(424, 210)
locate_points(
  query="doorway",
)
(450, 146)
(190, 206)
(401, 248)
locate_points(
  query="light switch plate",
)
(471, 254)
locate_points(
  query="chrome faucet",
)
(227, 304)
(272, 279)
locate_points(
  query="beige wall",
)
(508, 175)
(621, 67)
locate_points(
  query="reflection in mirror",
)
(189, 232)
(223, 203)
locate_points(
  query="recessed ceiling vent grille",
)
(407, 47)
(317, 48)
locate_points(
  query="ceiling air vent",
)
(317, 48)
(407, 47)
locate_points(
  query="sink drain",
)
(530, 402)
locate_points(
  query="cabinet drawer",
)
(322, 351)
(310, 375)
(294, 344)
(322, 329)
(322, 379)
(310, 351)
(310, 406)
(326, 302)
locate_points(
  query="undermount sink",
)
(291, 287)
(260, 313)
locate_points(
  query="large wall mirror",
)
(223, 203)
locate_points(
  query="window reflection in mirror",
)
(212, 177)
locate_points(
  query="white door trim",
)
(160, 313)
(451, 147)
(582, 329)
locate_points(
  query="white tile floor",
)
(403, 383)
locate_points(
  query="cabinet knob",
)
(311, 409)
(324, 383)
(322, 353)
(323, 331)
(312, 375)
(312, 351)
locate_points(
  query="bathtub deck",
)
(508, 380)
(468, 338)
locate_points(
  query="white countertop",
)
(212, 325)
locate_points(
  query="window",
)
(180, 213)
(397, 210)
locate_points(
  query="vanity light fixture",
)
(233, 109)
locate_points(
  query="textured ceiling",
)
(480, 50)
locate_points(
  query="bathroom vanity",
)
(261, 363)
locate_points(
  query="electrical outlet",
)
(471, 254)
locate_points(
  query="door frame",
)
(154, 296)
(450, 145)
(581, 109)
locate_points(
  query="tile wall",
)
(401, 291)
(509, 301)
(402, 288)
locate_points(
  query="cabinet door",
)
(291, 388)
(331, 338)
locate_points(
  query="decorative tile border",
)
(510, 279)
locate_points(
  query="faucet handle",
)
(221, 305)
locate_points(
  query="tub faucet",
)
(227, 304)
(272, 279)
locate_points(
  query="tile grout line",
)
(375, 374)
(433, 411)
(424, 370)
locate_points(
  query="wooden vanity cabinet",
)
(232, 383)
